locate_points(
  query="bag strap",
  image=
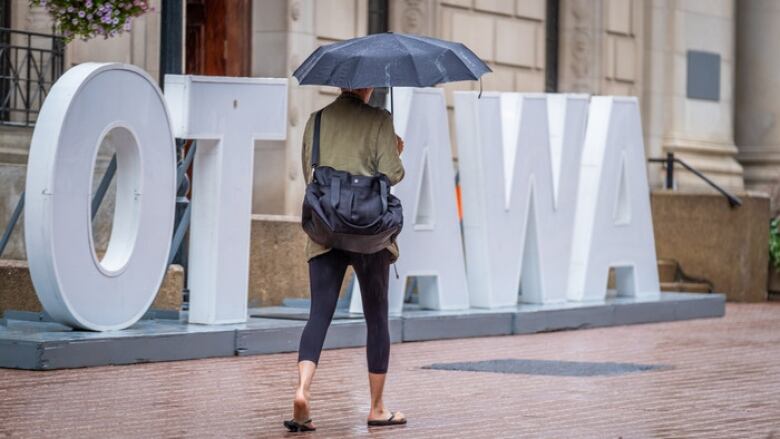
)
(383, 190)
(315, 147)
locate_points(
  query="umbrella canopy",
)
(390, 60)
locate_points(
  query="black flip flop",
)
(385, 422)
(295, 426)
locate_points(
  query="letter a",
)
(430, 241)
(613, 224)
(519, 163)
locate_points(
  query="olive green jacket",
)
(356, 138)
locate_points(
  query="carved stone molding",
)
(412, 16)
(580, 39)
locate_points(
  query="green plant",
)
(87, 19)
(774, 242)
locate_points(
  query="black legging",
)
(326, 273)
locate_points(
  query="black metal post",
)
(171, 51)
(28, 60)
(551, 47)
(172, 62)
(105, 182)
(9, 229)
(670, 170)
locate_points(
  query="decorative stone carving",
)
(413, 16)
(412, 19)
(295, 11)
(580, 39)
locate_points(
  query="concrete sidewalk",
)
(715, 378)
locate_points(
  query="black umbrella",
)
(390, 60)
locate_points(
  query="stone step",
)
(686, 287)
(667, 270)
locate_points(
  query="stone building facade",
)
(707, 91)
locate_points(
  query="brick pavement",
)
(724, 382)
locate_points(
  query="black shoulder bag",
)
(355, 213)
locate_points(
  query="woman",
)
(359, 139)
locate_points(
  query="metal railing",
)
(669, 163)
(30, 63)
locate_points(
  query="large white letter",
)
(87, 104)
(613, 224)
(226, 115)
(430, 242)
(519, 158)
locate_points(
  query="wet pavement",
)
(714, 378)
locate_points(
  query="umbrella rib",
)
(329, 49)
(361, 57)
(446, 45)
(414, 64)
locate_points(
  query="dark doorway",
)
(377, 16)
(551, 47)
(378, 23)
(218, 37)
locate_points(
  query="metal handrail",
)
(669, 162)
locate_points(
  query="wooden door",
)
(218, 37)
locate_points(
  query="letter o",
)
(89, 102)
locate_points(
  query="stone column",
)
(699, 131)
(580, 53)
(758, 93)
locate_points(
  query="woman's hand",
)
(399, 143)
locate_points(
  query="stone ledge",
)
(710, 240)
(17, 292)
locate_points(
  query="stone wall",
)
(728, 247)
(277, 263)
(508, 35)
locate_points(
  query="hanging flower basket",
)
(88, 19)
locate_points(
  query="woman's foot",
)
(383, 417)
(301, 411)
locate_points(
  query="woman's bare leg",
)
(376, 382)
(301, 409)
(326, 273)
